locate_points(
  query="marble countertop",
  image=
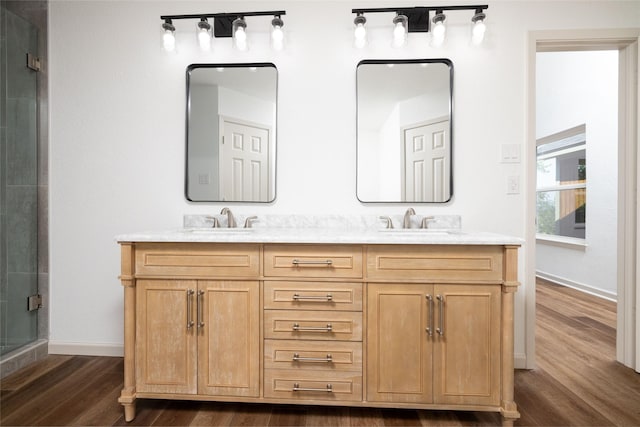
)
(322, 235)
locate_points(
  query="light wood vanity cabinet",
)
(415, 326)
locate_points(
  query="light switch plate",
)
(510, 153)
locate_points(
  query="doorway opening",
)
(564, 173)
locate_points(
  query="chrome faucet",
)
(407, 218)
(231, 221)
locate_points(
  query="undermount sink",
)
(420, 231)
(218, 230)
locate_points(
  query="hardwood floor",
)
(577, 382)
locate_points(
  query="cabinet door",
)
(467, 355)
(166, 355)
(229, 338)
(399, 349)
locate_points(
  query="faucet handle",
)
(388, 221)
(249, 220)
(425, 221)
(216, 221)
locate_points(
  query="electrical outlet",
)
(513, 184)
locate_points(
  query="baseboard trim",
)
(608, 295)
(86, 349)
(520, 361)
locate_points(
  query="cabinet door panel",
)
(399, 349)
(229, 340)
(165, 348)
(467, 359)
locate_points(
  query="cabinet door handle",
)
(430, 315)
(190, 293)
(328, 389)
(200, 303)
(326, 262)
(440, 328)
(297, 358)
(296, 327)
(326, 298)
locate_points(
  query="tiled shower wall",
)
(23, 182)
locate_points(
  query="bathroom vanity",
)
(321, 317)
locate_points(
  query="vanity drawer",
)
(313, 296)
(312, 385)
(435, 263)
(326, 261)
(197, 259)
(312, 325)
(315, 355)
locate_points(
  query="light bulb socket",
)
(239, 23)
(401, 19)
(479, 16)
(204, 25)
(439, 17)
(168, 25)
(359, 20)
(277, 22)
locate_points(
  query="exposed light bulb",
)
(169, 41)
(168, 36)
(360, 32)
(277, 38)
(479, 28)
(239, 34)
(439, 31)
(204, 35)
(400, 24)
(277, 35)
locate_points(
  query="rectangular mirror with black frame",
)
(231, 132)
(404, 130)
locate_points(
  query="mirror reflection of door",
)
(425, 175)
(244, 168)
(404, 138)
(244, 160)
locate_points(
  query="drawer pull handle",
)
(430, 325)
(190, 322)
(328, 389)
(326, 262)
(440, 329)
(200, 308)
(326, 298)
(298, 328)
(297, 358)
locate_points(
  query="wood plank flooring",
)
(577, 382)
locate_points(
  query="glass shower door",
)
(18, 182)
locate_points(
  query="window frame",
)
(576, 140)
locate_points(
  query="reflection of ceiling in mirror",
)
(259, 83)
(380, 87)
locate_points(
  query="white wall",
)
(575, 88)
(117, 128)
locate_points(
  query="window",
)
(562, 184)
